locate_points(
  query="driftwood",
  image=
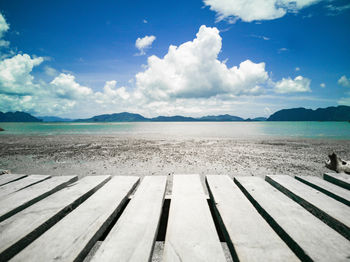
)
(2, 171)
(337, 164)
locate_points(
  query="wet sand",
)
(122, 155)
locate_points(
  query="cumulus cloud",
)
(3, 29)
(344, 81)
(144, 43)
(193, 70)
(112, 94)
(65, 86)
(15, 77)
(288, 85)
(253, 10)
(323, 85)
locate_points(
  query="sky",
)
(248, 58)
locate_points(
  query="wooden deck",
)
(103, 218)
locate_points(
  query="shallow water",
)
(324, 130)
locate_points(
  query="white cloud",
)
(15, 74)
(323, 85)
(260, 36)
(65, 86)
(145, 21)
(288, 85)
(3, 29)
(192, 70)
(111, 94)
(283, 49)
(4, 43)
(344, 81)
(335, 10)
(50, 71)
(253, 10)
(3, 25)
(144, 43)
(297, 69)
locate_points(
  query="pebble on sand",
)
(1, 129)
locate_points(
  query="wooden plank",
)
(21, 229)
(191, 233)
(306, 235)
(71, 238)
(334, 191)
(133, 236)
(342, 180)
(329, 210)
(20, 184)
(18, 201)
(248, 235)
(8, 178)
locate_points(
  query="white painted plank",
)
(332, 212)
(21, 229)
(28, 196)
(20, 184)
(248, 235)
(133, 236)
(306, 235)
(191, 234)
(8, 178)
(71, 238)
(334, 191)
(342, 180)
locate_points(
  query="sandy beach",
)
(84, 155)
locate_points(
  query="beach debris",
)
(1, 129)
(3, 171)
(337, 164)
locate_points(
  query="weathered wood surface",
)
(334, 191)
(306, 235)
(191, 234)
(8, 178)
(71, 238)
(16, 202)
(332, 212)
(133, 236)
(248, 235)
(342, 180)
(21, 229)
(20, 184)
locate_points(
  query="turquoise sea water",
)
(325, 130)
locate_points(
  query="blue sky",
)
(241, 57)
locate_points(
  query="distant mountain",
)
(173, 119)
(129, 117)
(339, 113)
(17, 117)
(118, 117)
(221, 118)
(54, 119)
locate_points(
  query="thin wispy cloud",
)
(336, 10)
(261, 37)
(281, 50)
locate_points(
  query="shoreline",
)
(134, 155)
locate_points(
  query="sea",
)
(234, 130)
